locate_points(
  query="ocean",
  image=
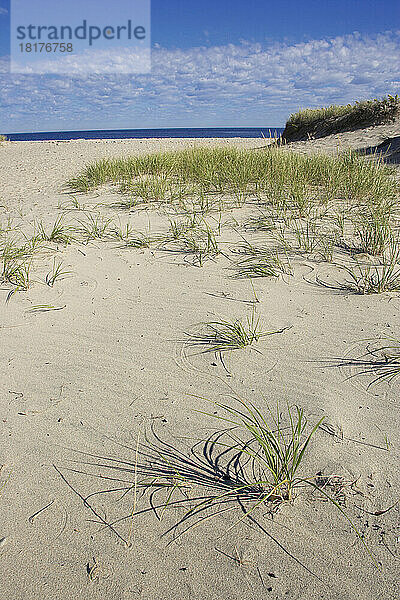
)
(178, 132)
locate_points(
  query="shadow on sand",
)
(388, 150)
(213, 477)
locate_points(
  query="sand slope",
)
(80, 384)
(379, 139)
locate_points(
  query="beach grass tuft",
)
(225, 335)
(258, 459)
(58, 233)
(379, 360)
(56, 273)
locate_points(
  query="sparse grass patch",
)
(58, 233)
(135, 239)
(260, 222)
(200, 242)
(380, 359)
(262, 261)
(382, 276)
(16, 273)
(179, 228)
(307, 202)
(307, 235)
(263, 265)
(224, 335)
(373, 231)
(139, 239)
(55, 273)
(95, 227)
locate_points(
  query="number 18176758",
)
(46, 47)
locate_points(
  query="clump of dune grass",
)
(373, 230)
(200, 242)
(122, 233)
(16, 262)
(139, 239)
(3, 138)
(94, 227)
(262, 261)
(226, 335)
(366, 278)
(178, 228)
(280, 176)
(263, 265)
(17, 273)
(260, 222)
(277, 451)
(361, 113)
(380, 359)
(152, 188)
(131, 238)
(58, 233)
(257, 460)
(326, 247)
(56, 273)
(307, 235)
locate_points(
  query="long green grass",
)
(56, 273)
(373, 230)
(271, 173)
(365, 111)
(306, 205)
(58, 233)
(365, 278)
(258, 459)
(226, 335)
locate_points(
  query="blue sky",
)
(219, 63)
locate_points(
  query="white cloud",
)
(90, 61)
(246, 84)
(3, 11)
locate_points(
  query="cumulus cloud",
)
(245, 84)
(101, 62)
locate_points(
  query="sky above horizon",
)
(219, 63)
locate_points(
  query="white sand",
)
(92, 377)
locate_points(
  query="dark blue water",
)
(179, 132)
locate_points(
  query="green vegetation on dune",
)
(384, 109)
(340, 209)
(317, 122)
(174, 176)
(329, 208)
(307, 204)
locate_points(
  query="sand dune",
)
(81, 384)
(377, 139)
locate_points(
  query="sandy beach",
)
(82, 384)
